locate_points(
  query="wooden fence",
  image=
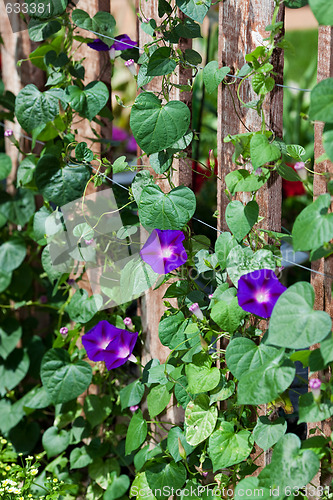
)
(241, 27)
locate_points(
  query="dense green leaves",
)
(10, 334)
(156, 127)
(294, 323)
(83, 308)
(40, 30)
(171, 210)
(102, 22)
(63, 379)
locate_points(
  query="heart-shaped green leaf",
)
(5, 166)
(321, 104)
(194, 9)
(227, 447)
(240, 219)
(262, 151)
(13, 370)
(294, 323)
(88, 102)
(63, 379)
(242, 180)
(160, 62)
(242, 261)
(103, 22)
(200, 419)
(34, 108)
(10, 334)
(323, 11)
(266, 433)
(311, 411)
(162, 474)
(313, 226)
(171, 210)
(55, 441)
(83, 308)
(156, 127)
(60, 185)
(40, 30)
(213, 75)
(226, 312)
(136, 432)
(201, 377)
(43, 9)
(12, 254)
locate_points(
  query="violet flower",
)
(105, 342)
(122, 42)
(134, 408)
(315, 385)
(8, 133)
(98, 45)
(259, 291)
(164, 250)
(63, 331)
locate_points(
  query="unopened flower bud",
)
(204, 473)
(211, 158)
(131, 66)
(112, 54)
(195, 309)
(203, 343)
(301, 170)
(315, 385)
(89, 242)
(129, 323)
(63, 331)
(134, 408)
(210, 296)
(8, 133)
(181, 449)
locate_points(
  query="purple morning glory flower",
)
(123, 42)
(105, 342)
(164, 250)
(98, 45)
(259, 291)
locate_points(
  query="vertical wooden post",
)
(242, 28)
(152, 307)
(322, 284)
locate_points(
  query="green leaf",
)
(174, 435)
(132, 394)
(158, 399)
(252, 486)
(5, 166)
(321, 104)
(310, 411)
(83, 153)
(201, 377)
(194, 9)
(118, 487)
(224, 244)
(156, 127)
(326, 349)
(12, 254)
(188, 29)
(5, 279)
(60, 185)
(213, 75)
(295, 151)
(136, 277)
(102, 22)
(161, 475)
(141, 180)
(102, 471)
(160, 62)
(243, 355)
(314, 225)
(323, 11)
(262, 84)
(228, 315)
(44, 9)
(242, 180)
(80, 458)
(83, 308)
(55, 441)
(328, 139)
(119, 165)
(13, 370)
(171, 332)
(88, 102)
(26, 169)
(294, 324)
(242, 261)
(161, 161)
(192, 56)
(240, 219)
(200, 420)
(136, 433)
(171, 210)
(295, 4)
(40, 30)
(34, 108)
(262, 151)
(227, 447)
(10, 334)
(63, 379)
(290, 466)
(223, 391)
(97, 409)
(40, 398)
(287, 173)
(266, 433)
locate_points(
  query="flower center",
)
(104, 343)
(167, 252)
(262, 296)
(123, 352)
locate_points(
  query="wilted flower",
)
(259, 291)
(315, 385)
(195, 309)
(105, 342)
(164, 250)
(63, 330)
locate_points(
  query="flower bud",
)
(89, 242)
(63, 331)
(134, 408)
(181, 449)
(112, 54)
(131, 66)
(195, 309)
(315, 385)
(8, 133)
(129, 323)
(301, 170)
